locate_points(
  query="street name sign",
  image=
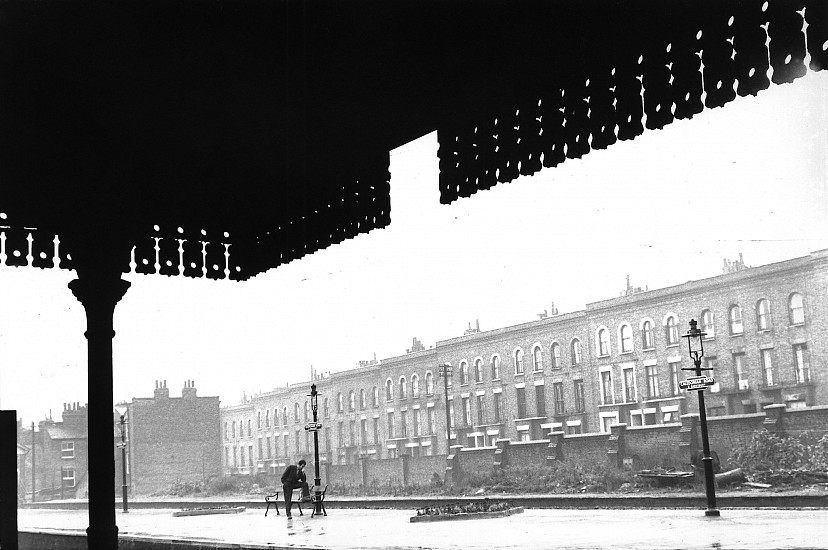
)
(313, 426)
(695, 383)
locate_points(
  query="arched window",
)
(326, 412)
(625, 336)
(735, 314)
(796, 309)
(429, 383)
(389, 390)
(647, 341)
(234, 429)
(249, 427)
(495, 367)
(296, 412)
(518, 361)
(464, 373)
(284, 416)
(537, 358)
(351, 400)
(575, 351)
(259, 420)
(478, 370)
(671, 330)
(415, 385)
(375, 397)
(603, 342)
(267, 418)
(275, 418)
(555, 352)
(763, 315)
(707, 323)
(403, 388)
(307, 411)
(340, 402)
(362, 399)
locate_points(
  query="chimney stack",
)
(161, 391)
(189, 391)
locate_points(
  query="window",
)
(556, 355)
(267, 418)
(451, 413)
(431, 420)
(389, 390)
(575, 351)
(481, 412)
(242, 462)
(575, 429)
(625, 335)
(340, 402)
(226, 431)
(495, 367)
(376, 431)
(307, 411)
(537, 358)
(629, 385)
(416, 423)
(767, 366)
(739, 371)
(404, 424)
(67, 477)
(603, 342)
(652, 381)
(478, 370)
(671, 331)
(674, 379)
(250, 427)
(464, 373)
(763, 316)
(351, 400)
(250, 453)
(735, 314)
(299, 440)
(235, 457)
(802, 363)
(498, 406)
(540, 400)
(374, 397)
(707, 324)
(580, 400)
(276, 445)
(557, 393)
(429, 383)
(261, 449)
(269, 449)
(403, 388)
(259, 420)
(518, 361)
(325, 410)
(352, 433)
(340, 433)
(466, 411)
(415, 386)
(607, 393)
(647, 341)
(287, 446)
(284, 416)
(796, 309)
(390, 426)
(521, 402)
(67, 449)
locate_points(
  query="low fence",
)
(639, 447)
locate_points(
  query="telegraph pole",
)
(445, 373)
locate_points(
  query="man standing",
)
(293, 478)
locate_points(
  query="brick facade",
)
(632, 381)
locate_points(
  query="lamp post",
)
(121, 410)
(314, 397)
(445, 373)
(695, 347)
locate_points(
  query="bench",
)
(319, 498)
(274, 500)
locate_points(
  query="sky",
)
(668, 207)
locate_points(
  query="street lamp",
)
(445, 373)
(695, 348)
(314, 399)
(121, 410)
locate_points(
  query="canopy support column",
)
(99, 291)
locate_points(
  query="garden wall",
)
(529, 452)
(388, 471)
(421, 469)
(653, 446)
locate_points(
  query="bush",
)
(768, 451)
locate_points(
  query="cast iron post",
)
(317, 480)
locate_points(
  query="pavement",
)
(348, 529)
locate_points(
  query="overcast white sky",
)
(665, 208)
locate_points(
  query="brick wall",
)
(727, 432)
(531, 452)
(344, 474)
(388, 471)
(476, 461)
(813, 420)
(653, 446)
(591, 447)
(421, 469)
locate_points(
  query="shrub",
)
(768, 451)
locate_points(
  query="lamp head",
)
(121, 410)
(695, 343)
